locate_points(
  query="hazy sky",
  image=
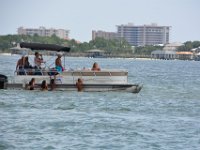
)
(83, 16)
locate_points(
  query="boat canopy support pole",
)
(64, 61)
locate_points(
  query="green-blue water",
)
(165, 115)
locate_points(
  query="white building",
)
(142, 35)
(172, 46)
(42, 31)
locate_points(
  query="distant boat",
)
(20, 51)
(96, 53)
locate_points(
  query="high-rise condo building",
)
(42, 31)
(142, 35)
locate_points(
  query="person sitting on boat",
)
(20, 66)
(27, 65)
(79, 85)
(96, 67)
(38, 60)
(58, 63)
(31, 84)
(44, 86)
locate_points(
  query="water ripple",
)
(165, 115)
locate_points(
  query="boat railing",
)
(30, 72)
(72, 72)
(75, 74)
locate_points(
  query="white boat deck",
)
(70, 77)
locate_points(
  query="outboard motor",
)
(3, 81)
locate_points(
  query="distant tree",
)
(189, 45)
(146, 50)
(196, 44)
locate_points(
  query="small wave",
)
(5, 105)
(5, 145)
(122, 109)
(27, 105)
(2, 104)
(49, 147)
(65, 107)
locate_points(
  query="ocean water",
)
(165, 115)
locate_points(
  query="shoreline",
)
(132, 56)
(120, 56)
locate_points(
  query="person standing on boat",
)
(38, 60)
(58, 63)
(20, 66)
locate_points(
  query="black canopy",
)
(49, 47)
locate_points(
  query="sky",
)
(83, 16)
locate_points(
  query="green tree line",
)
(187, 46)
(110, 46)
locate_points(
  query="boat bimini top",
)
(49, 47)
